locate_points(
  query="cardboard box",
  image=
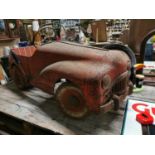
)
(99, 32)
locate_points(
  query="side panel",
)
(24, 54)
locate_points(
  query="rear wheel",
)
(19, 77)
(71, 100)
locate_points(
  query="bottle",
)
(36, 33)
(62, 34)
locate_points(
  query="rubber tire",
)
(129, 52)
(71, 100)
(125, 49)
(19, 78)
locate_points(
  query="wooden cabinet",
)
(9, 29)
(99, 31)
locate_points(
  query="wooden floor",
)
(40, 109)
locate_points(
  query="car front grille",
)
(120, 85)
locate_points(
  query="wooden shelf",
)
(8, 39)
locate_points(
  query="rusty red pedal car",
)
(96, 79)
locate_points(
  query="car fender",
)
(78, 72)
(69, 70)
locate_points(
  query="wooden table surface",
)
(41, 109)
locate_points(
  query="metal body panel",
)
(95, 71)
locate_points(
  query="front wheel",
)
(71, 100)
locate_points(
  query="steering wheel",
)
(46, 33)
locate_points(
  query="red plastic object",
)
(144, 118)
(153, 111)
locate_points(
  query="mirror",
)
(2, 27)
(149, 57)
(150, 49)
(3, 32)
